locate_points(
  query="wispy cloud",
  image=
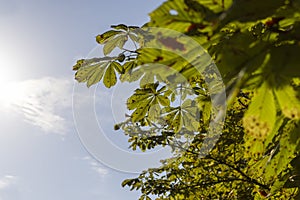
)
(7, 181)
(96, 166)
(43, 102)
(9, 187)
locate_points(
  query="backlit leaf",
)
(110, 78)
(289, 101)
(259, 119)
(101, 39)
(110, 45)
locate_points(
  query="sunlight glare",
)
(11, 89)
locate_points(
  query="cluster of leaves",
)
(255, 45)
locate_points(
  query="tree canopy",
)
(219, 82)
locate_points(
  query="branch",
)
(248, 179)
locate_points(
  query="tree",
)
(255, 45)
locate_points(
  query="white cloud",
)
(96, 166)
(7, 181)
(42, 102)
(9, 187)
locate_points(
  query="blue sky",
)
(41, 154)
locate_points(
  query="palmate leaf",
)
(117, 38)
(140, 112)
(163, 100)
(186, 115)
(91, 74)
(259, 120)
(154, 64)
(92, 71)
(130, 75)
(167, 66)
(147, 101)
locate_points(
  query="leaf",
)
(128, 66)
(249, 11)
(147, 78)
(78, 64)
(180, 22)
(130, 75)
(154, 112)
(111, 44)
(117, 67)
(163, 100)
(110, 78)
(96, 76)
(143, 100)
(259, 120)
(101, 39)
(171, 43)
(135, 100)
(90, 71)
(289, 101)
(190, 115)
(190, 121)
(83, 74)
(177, 122)
(140, 112)
(289, 141)
(119, 27)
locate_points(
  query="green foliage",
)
(256, 46)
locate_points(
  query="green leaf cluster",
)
(256, 46)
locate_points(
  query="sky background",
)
(42, 156)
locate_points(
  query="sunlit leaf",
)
(259, 119)
(120, 27)
(110, 78)
(101, 39)
(110, 45)
(289, 101)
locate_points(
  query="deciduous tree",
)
(255, 46)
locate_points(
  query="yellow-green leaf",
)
(110, 78)
(101, 39)
(177, 122)
(289, 101)
(96, 76)
(120, 27)
(118, 67)
(147, 78)
(259, 121)
(111, 44)
(141, 111)
(260, 118)
(163, 100)
(136, 100)
(154, 112)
